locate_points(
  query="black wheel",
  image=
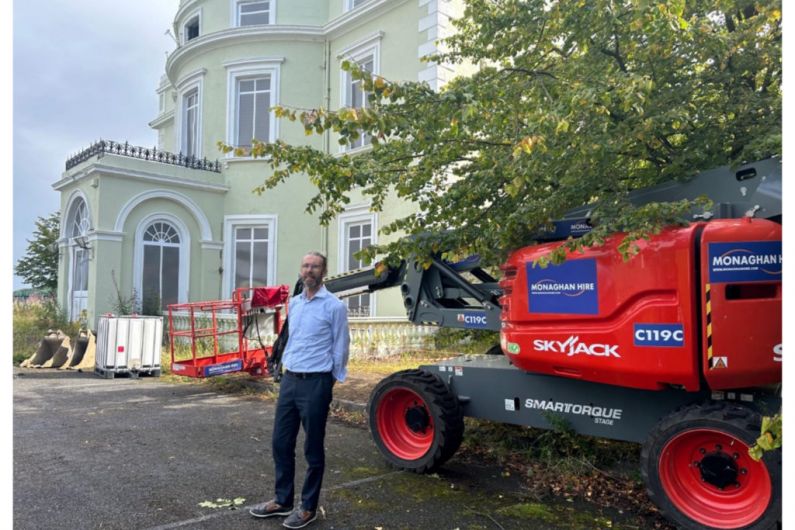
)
(697, 469)
(415, 421)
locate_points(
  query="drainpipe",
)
(324, 236)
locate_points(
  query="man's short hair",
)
(319, 255)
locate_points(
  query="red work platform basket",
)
(227, 335)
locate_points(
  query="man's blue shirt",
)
(319, 337)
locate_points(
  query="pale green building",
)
(180, 223)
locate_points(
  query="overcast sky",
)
(83, 70)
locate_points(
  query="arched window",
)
(77, 229)
(80, 221)
(160, 274)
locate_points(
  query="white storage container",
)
(129, 344)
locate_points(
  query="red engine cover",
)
(741, 301)
(635, 323)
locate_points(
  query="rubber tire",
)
(736, 420)
(444, 411)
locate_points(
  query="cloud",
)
(82, 70)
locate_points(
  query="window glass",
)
(80, 222)
(251, 256)
(150, 283)
(357, 3)
(160, 275)
(191, 127)
(357, 98)
(358, 238)
(161, 231)
(253, 13)
(80, 272)
(242, 264)
(192, 29)
(259, 268)
(253, 110)
(170, 275)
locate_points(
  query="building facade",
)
(179, 222)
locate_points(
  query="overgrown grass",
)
(32, 321)
(384, 366)
(559, 449)
(465, 340)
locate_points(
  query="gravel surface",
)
(142, 453)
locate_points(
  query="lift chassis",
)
(678, 349)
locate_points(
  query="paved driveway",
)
(125, 453)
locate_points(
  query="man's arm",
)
(342, 340)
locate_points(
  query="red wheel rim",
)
(709, 477)
(397, 415)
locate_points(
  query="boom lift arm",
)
(463, 295)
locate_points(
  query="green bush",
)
(31, 323)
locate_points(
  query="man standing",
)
(315, 358)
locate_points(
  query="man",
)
(315, 358)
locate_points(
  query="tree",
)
(39, 266)
(572, 103)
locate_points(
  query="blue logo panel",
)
(472, 320)
(564, 229)
(661, 335)
(568, 288)
(749, 261)
(223, 368)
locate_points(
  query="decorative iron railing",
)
(101, 147)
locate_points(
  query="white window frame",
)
(356, 214)
(358, 52)
(232, 222)
(251, 68)
(67, 227)
(349, 4)
(184, 253)
(183, 36)
(190, 82)
(234, 19)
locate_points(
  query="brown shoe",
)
(300, 518)
(270, 509)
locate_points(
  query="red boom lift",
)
(678, 348)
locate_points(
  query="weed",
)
(558, 449)
(531, 510)
(465, 340)
(32, 321)
(120, 304)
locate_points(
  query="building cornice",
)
(105, 235)
(143, 176)
(184, 8)
(356, 17)
(240, 35)
(211, 245)
(162, 119)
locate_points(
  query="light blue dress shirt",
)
(319, 337)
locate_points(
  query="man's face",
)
(312, 271)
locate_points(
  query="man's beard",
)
(310, 282)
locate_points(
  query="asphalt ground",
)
(142, 453)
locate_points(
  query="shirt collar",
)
(321, 293)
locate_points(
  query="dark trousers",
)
(302, 402)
